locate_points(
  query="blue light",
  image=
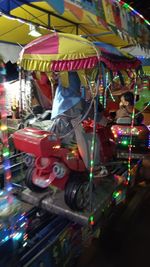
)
(22, 224)
(1, 192)
(5, 239)
(9, 188)
(25, 244)
(21, 218)
(17, 236)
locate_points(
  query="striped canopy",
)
(59, 52)
(115, 59)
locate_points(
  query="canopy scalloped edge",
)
(59, 65)
(121, 65)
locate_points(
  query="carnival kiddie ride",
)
(77, 170)
(127, 71)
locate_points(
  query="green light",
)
(146, 21)
(6, 152)
(91, 175)
(124, 142)
(92, 162)
(116, 194)
(91, 219)
(125, 5)
(129, 177)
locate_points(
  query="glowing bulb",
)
(3, 128)
(91, 219)
(56, 147)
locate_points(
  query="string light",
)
(116, 194)
(3, 127)
(131, 133)
(91, 220)
(92, 159)
(92, 152)
(127, 6)
(101, 91)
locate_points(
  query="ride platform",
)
(104, 193)
(55, 203)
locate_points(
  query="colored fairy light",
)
(3, 127)
(9, 188)
(24, 244)
(91, 175)
(101, 90)
(6, 154)
(131, 133)
(125, 142)
(127, 6)
(56, 147)
(116, 194)
(92, 162)
(22, 224)
(111, 95)
(105, 91)
(4, 147)
(91, 220)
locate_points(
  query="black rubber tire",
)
(30, 184)
(69, 188)
(83, 205)
(72, 189)
(29, 160)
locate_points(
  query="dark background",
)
(142, 6)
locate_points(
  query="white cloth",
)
(9, 52)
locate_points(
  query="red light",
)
(92, 223)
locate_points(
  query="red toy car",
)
(57, 165)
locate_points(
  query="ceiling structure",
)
(142, 7)
(42, 14)
(72, 19)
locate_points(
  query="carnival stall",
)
(106, 21)
(74, 171)
(72, 168)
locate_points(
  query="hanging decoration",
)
(126, 22)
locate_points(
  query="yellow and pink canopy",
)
(59, 52)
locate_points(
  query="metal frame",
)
(49, 14)
(48, 24)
